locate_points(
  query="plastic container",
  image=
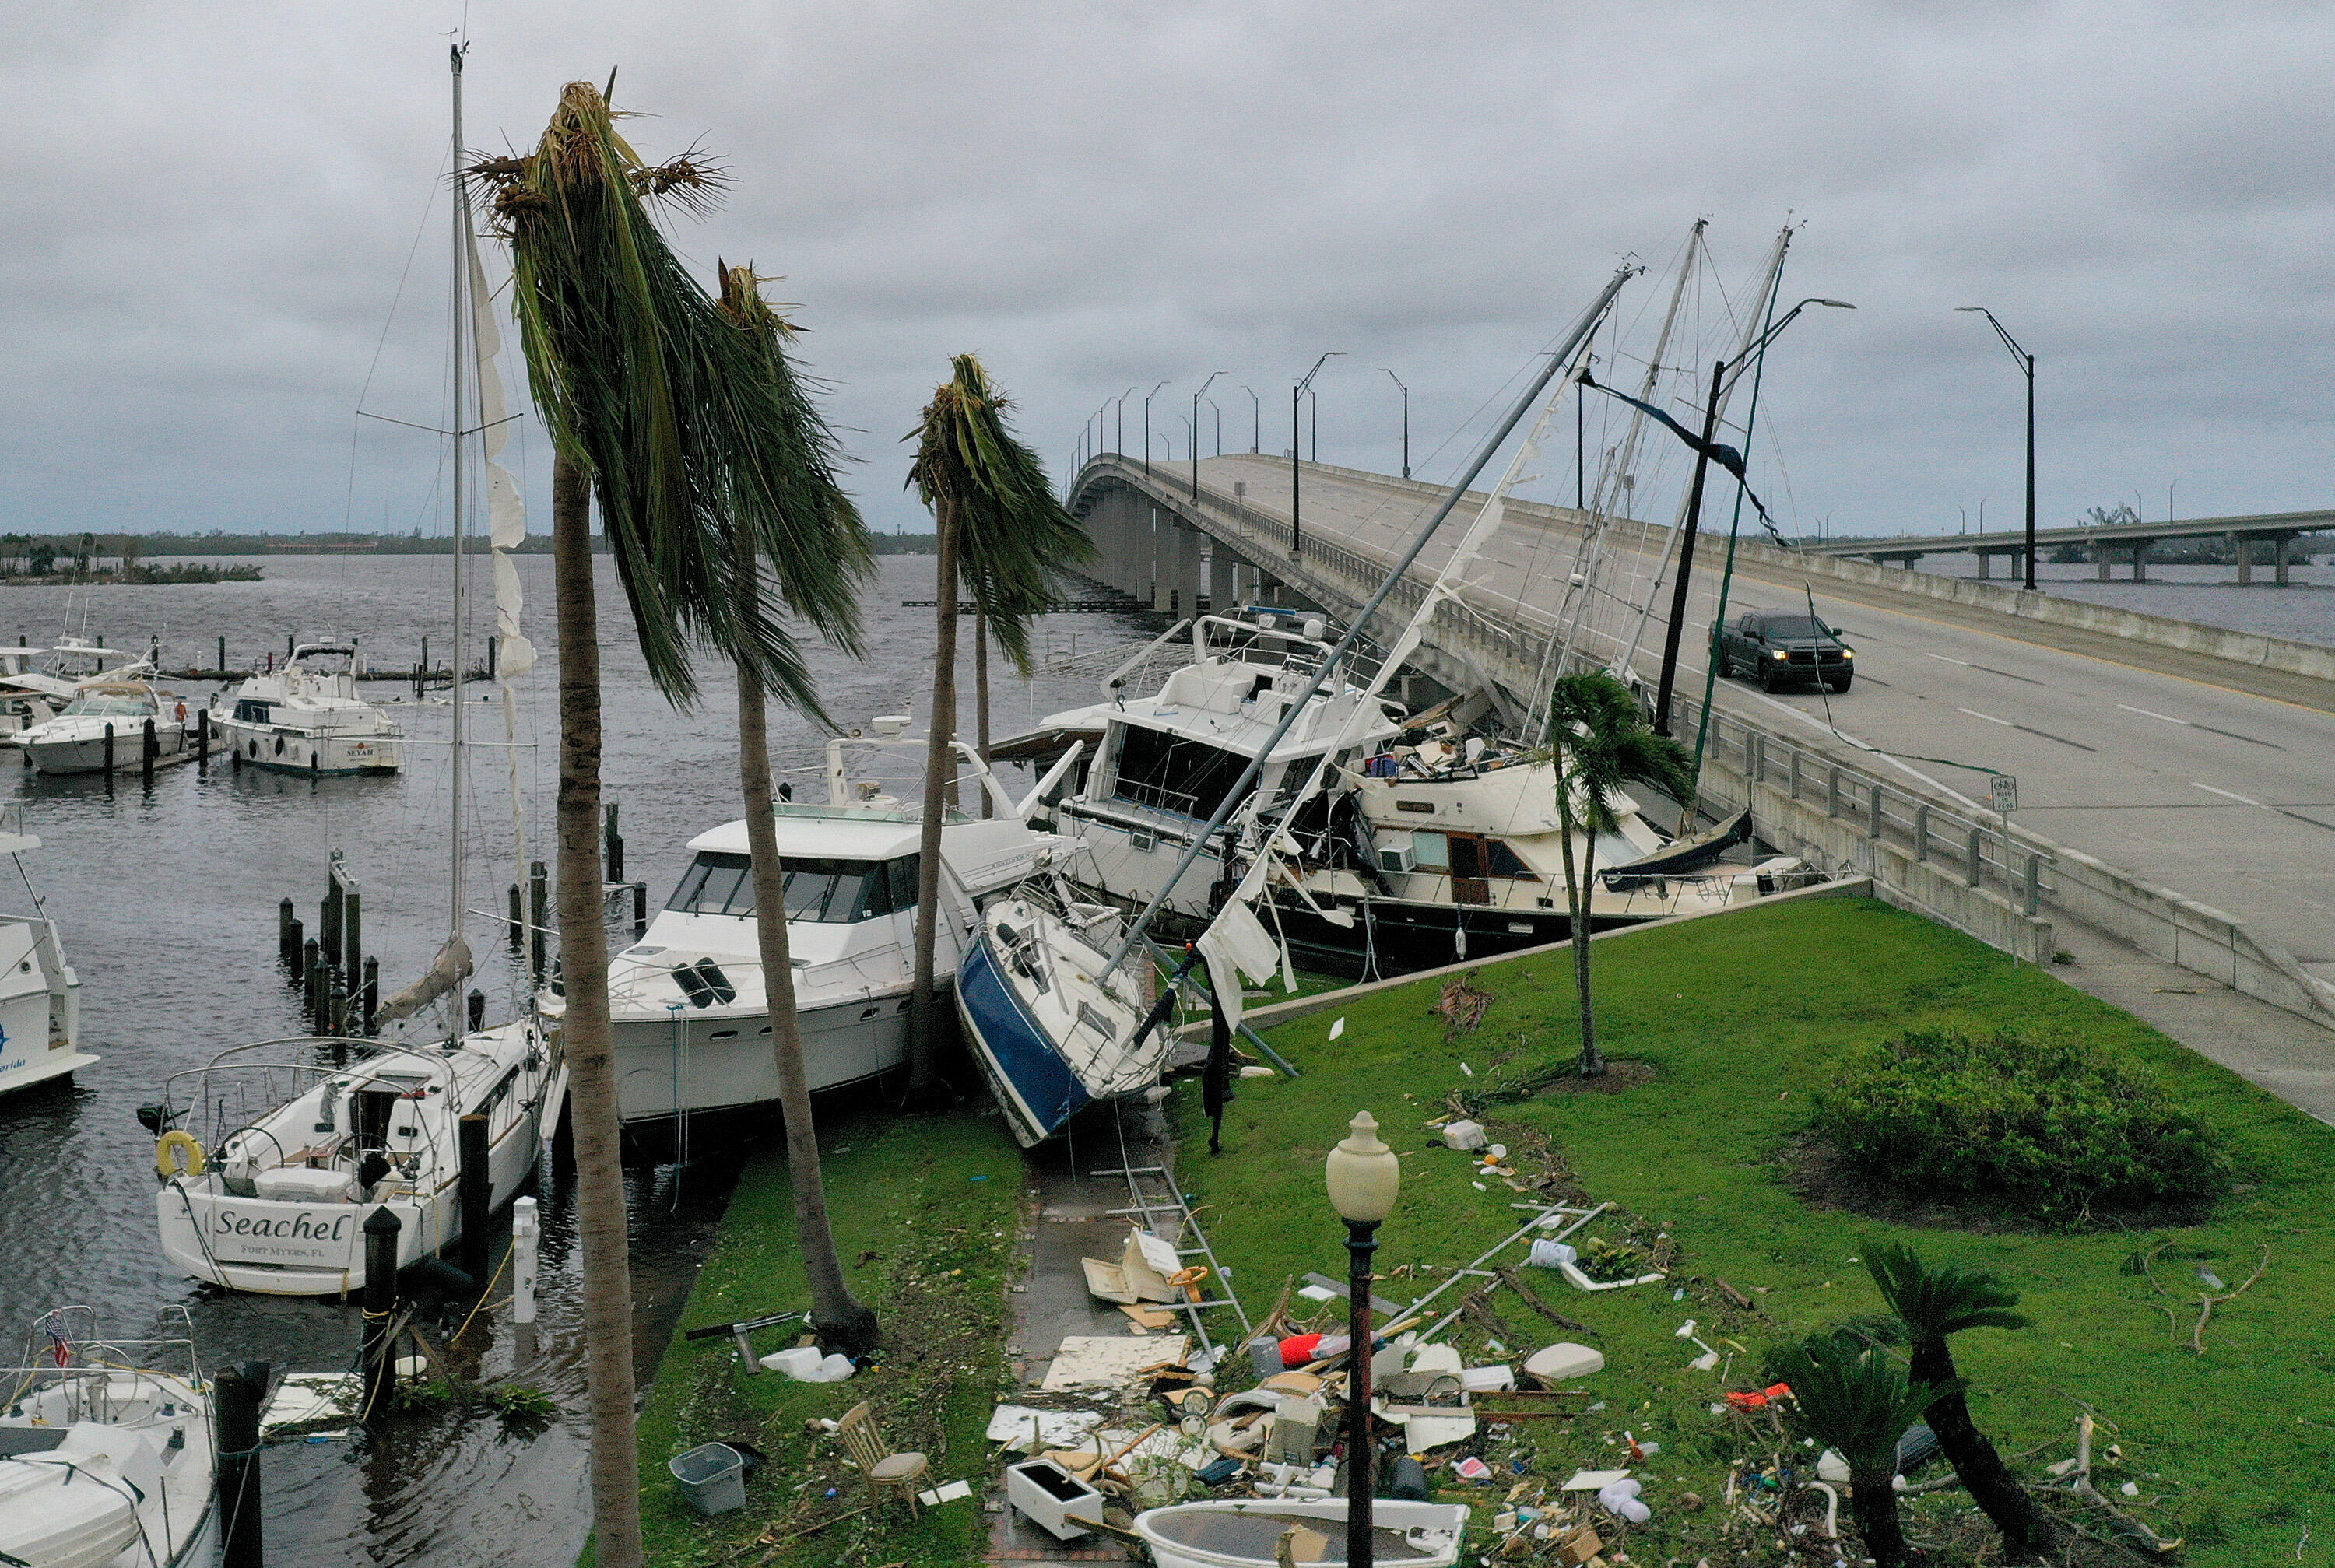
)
(802, 1362)
(1463, 1134)
(1549, 1254)
(713, 1477)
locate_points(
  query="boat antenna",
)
(1556, 360)
(455, 53)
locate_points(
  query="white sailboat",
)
(287, 1145)
(40, 993)
(107, 1457)
(307, 717)
(691, 1018)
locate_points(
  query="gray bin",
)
(712, 1476)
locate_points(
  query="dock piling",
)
(640, 910)
(353, 930)
(109, 756)
(336, 1004)
(378, 1352)
(288, 935)
(538, 915)
(311, 977)
(372, 994)
(477, 1195)
(614, 847)
(527, 1236)
(202, 739)
(148, 746)
(221, 665)
(236, 1394)
(517, 920)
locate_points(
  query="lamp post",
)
(1195, 429)
(1147, 425)
(1721, 373)
(1296, 397)
(1406, 422)
(1218, 415)
(1256, 419)
(1363, 1176)
(1119, 441)
(2025, 362)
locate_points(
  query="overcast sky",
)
(212, 210)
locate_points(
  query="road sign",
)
(2006, 792)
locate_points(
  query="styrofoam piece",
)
(305, 1399)
(1032, 1431)
(1420, 1433)
(801, 1361)
(1564, 1359)
(1463, 1134)
(1486, 1379)
(1436, 1358)
(949, 1493)
(1593, 1480)
(1317, 1293)
(1087, 1360)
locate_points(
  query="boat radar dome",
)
(889, 724)
(1315, 626)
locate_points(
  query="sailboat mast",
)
(462, 359)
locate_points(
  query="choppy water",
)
(167, 902)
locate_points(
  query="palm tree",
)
(828, 526)
(1002, 532)
(659, 408)
(1601, 741)
(1935, 1303)
(1856, 1400)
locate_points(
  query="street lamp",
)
(1219, 416)
(1118, 442)
(1147, 425)
(1195, 429)
(1721, 374)
(1363, 1176)
(2026, 362)
(1406, 422)
(1296, 395)
(1256, 420)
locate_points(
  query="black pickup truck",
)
(1777, 650)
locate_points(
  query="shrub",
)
(2046, 1127)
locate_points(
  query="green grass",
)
(937, 1198)
(1738, 1018)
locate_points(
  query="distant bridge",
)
(2278, 530)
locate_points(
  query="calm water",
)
(167, 902)
(2303, 611)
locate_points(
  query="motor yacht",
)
(105, 725)
(40, 993)
(305, 717)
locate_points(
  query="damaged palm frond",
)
(686, 423)
(1011, 530)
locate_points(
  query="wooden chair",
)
(885, 1470)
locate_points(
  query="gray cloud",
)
(212, 209)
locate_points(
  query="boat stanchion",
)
(640, 910)
(236, 1394)
(372, 994)
(379, 1351)
(614, 848)
(477, 1195)
(149, 747)
(478, 1010)
(517, 920)
(538, 915)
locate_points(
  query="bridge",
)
(2175, 819)
(2273, 533)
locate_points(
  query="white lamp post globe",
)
(1363, 1173)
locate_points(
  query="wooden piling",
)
(614, 847)
(379, 1348)
(287, 937)
(328, 922)
(517, 920)
(538, 915)
(477, 1195)
(221, 665)
(202, 739)
(148, 746)
(336, 1004)
(236, 1393)
(311, 977)
(372, 995)
(352, 931)
(640, 910)
(109, 756)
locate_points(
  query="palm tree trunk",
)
(1873, 1502)
(980, 701)
(841, 1320)
(615, 1462)
(940, 773)
(1576, 899)
(2026, 1528)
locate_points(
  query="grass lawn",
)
(926, 1210)
(1738, 1017)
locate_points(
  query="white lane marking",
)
(1942, 659)
(1988, 717)
(2152, 714)
(2230, 794)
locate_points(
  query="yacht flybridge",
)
(40, 995)
(307, 718)
(692, 1020)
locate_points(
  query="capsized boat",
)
(691, 1020)
(106, 1451)
(1247, 1532)
(40, 993)
(106, 717)
(275, 1202)
(305, 717)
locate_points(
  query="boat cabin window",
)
(253, 712)
(830, 892)
(108, 708)
(1478, 856)
(1170, 773)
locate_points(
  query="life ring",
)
(189, 1164)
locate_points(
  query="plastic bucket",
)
(713, 1477)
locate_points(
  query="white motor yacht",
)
(692, 1021)
(275, 1202)
(107, 1458)
(108, 719)
(307, 718)
(40, 995)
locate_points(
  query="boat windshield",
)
(109, 707)
(826, 892)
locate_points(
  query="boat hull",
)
(725, 1062)
(1033, 1086)
(87, 755)
(278, 749)
(1398, 936)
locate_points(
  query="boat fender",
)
(177, 1152)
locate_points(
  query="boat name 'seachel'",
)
(300, 1229)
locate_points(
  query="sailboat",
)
(274, 1153)
(1049, 1005)
(307, 717)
